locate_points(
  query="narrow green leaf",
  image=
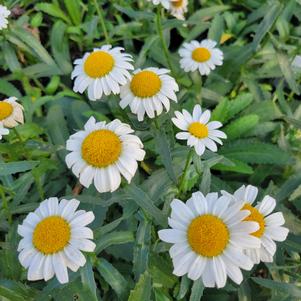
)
(142, 290)
(74, 10)
(197, 290)
(16, 167)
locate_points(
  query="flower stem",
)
(187, 164)
(102, 21)
(163, 42)
(17, 134)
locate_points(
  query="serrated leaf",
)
(16, 167)
(142, 290)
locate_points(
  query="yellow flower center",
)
(98, 64)
(177, 3)
(201, 54)
(146, 84)
(6, 110)
(208, 235)
(101, 148)
(255, 216)
(198, 130)
(51, 235)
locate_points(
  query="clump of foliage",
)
(255, 94)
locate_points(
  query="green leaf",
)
(88, 281)
(74, 10)
(16, 291)
(142, 290)
(238, 104)
(53, 10)
(142, 199)
(241, 126)
(114, 238)
(113, 278)
(283, 287)
(9, 89)
(220, 112)
(255, 152)
(16, 167)
(197, 290)
(286, 69)
(237, 166)
(163, 150)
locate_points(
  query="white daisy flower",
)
(4, 13)
(102, 71)
(178, 8)
(202, 56)
(3, 130)
(270, 224)
(209, 236)
(147, 91)
(53, 237)
(198, 131)
(164, 3)
(102, 152)
(11, 112)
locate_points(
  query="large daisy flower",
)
(178, 8)
(147, 91)
(164, 3)
(270, 224)
(53, 236)
(102, 71)
(102, 152)
(202, 56)
(4, 13)
(11, 112)
(3, 130)
(209, 236)
(198, 131)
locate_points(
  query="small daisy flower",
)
(3, 130)
(164, 3)
(147, 91)
(200, 56)
(11, 112)
(178, 8)
(198, 131)
(102, 71)
(4, 13)
(270, 224)
(209, 236)
(53, 237)
(102, 152)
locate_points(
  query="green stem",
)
(156, 124)
(102, 21)
(5, 206)
(187, 164)
(17, 134)
(163, 42)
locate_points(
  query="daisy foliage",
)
(150, 150)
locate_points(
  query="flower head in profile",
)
(11, 112)
(3, 130)
(148, 91)
(270, 229)
(53, 237)
(178, 8)
(202, 56)
(208, 236)
(197, 130)
(4, 13)
(102, 71)
(102, 152)
(164, 3)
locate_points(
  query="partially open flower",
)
(178, 8)
(11, 112)
(270, 229)
(164, 3)
(4, 13)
